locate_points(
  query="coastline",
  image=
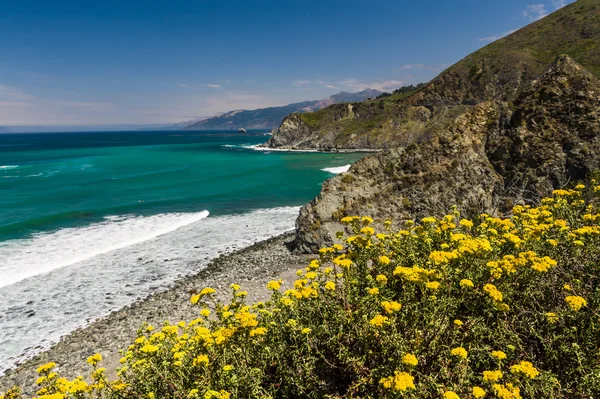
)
(263, 147)
(251, 267)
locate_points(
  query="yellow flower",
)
(306, 331)
(458, 323)
(381, 278)
(148, 348)
(241, 293)
(478, 392)
(459, 352)
(492, 376)
(493, 292)
(292, 323)
(46, 367)
(274, 285)
(201, 360)
(258, 331)
(366, 220)
(235, 287)
(342, 261)
(367, 231)
(94, 359)
(378, 321)
(410, 360)
(391, 306)
(433, 285)
(227, 367)
(401, 381)
(466, 283)
(373, 291)
(525, 368)
(551, 317)
(207, 291)
(507, 391)
(451, 395)
(384, 260)
(499, 355)
(465, 223)
(330, 286)
(205, 312)
(575, 302)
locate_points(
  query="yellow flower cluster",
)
(401, 381)
(384, 300)
(525, 368)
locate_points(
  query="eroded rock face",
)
(485, 158)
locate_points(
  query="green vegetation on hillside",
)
(446, 308)
(498, 71)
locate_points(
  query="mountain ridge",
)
(271, 117)
(498, 71)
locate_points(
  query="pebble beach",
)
(251, 267)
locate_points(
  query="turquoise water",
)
(89, 222)
(49, 181)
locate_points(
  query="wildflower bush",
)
(444, 308)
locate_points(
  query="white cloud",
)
(184, 85)
(410, 66)
(330, 86)
(228, 81)
(356, 85)
(251, 81)
(558, 4)
(300, 82)
(534, 12)
(213, 86)
(494, 38)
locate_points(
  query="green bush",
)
(447, 308)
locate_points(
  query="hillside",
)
(269, 118)
(499, 71)
(482, 159)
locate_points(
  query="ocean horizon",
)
(91, 222)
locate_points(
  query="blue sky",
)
(114, 62)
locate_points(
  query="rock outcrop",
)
(484, 158)
(497, 72)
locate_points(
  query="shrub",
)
(446, 308)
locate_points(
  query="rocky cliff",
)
(482, 158)
(497, 72)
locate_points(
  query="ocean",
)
(90, 222)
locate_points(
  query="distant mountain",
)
(269, 118)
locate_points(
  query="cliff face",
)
(484, 158)
(497, 72)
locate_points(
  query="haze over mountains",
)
(269, 118)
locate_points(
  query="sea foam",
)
(119, 260)
(48, 251)
(338, 169)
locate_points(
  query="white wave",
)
(40, 309)
(337, 169)
(256, 147)
(7, 167)
(45, 252)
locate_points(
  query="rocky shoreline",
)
(251, 267)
